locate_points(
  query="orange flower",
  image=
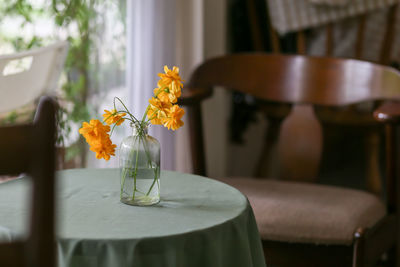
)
(171, 79)
(112, 116)
(93, 130)
(169, 85)
(103, 147)
(166, 95)
(157, 110)
(96, 135)
(173, 120)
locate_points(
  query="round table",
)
(199, 222)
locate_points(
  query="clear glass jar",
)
(139, 161)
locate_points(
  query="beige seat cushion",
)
(308, 213)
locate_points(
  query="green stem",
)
(135, 173)
(145, 114)
(125, 173)
(126, 109)
(154, 181)
(115, 124)
(123, 182)
(149, 162)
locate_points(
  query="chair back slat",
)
(329, 40)
(387, 44)
(358, 48)
(42, 168)
(255, 30)
(30, 149)
(274, 40)
(301, 43)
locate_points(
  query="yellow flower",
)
(170, 85)
(165, 95)
(157, 110)
(171, 78)
(96, 134)
(94, 130)
(112, 116)
(103, 147)
(173, 120)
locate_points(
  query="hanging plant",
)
(77, 15)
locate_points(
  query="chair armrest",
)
(388, 112)
(192, 96)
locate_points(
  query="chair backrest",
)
(286, 80)
(331, 25)
(299, 79)
(30, 149)
(26, 75)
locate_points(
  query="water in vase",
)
(142, 191)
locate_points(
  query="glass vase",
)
(139, 161)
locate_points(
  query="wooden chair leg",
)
(358, 253)
(392, 184)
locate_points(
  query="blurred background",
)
(116, 48)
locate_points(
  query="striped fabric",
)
(330, 2)
(345, 34)
(294, 15)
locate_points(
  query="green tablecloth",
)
(199, 222)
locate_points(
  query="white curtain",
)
(107, 74)
(162, 32)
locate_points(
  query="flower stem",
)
(126, 109)
(145, 113)
(123, 181)
(135, 173)
(154, 181)
(149, 162)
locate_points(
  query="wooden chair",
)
(30, 149)
(351, 115)
(304, 224)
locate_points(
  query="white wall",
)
(223, 158)
(190, 47)
(215, 110)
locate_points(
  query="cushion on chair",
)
(308, 213)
